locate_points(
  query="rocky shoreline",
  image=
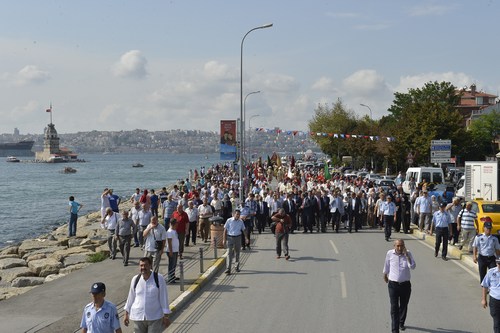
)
(36, 261)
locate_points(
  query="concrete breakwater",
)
(51, 256)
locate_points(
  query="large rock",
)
(31, 245)
(61, 254)
(8, 275)
(30, 281)
(37, 256)
(44, 267)
(53, 277)
(5, 256)
(75, 259)
(45, 251)
(9, 250)
(11, 263)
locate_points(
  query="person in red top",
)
(182, 222)
(283, 225)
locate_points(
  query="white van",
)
(430, 174)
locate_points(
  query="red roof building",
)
(472, 102)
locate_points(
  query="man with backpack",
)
(147, 301)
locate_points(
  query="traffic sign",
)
(440, 160)
(441, 142)
(440, 153)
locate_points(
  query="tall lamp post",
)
(242, 128)
(371, 117)
(249, 151)
(366, 106)
(243, 140)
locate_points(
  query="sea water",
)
(34, 196)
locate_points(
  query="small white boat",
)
(12, 159)
(137, 165)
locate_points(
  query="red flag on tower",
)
(49, 109)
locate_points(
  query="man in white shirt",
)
(109, 223)
(155, 237)
(172, 249)
(147, 301)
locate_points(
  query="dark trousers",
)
(282, 243)
(322, 221)
(399, 294)
(72, 224)
(388, 222)
(261, 222)
(124, 245)
(356, 220)
(495, 313)
(172, 263)
(191, 231)
(307, 221)
(484, 263)
(336, 221)
(441, 236)
(454, 233)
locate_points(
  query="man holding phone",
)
(398, 263)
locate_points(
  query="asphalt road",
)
(333, 283)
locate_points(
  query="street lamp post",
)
(371, 118)
(242, 129)
(249, 151)
(243, 140)
(366, 106)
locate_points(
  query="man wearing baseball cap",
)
(485, 249)
(491, 284)
(100, 316)
(441, 220)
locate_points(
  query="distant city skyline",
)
(158, 65)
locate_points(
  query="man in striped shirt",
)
(465, 225)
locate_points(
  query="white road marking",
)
(343, 285)
(334, 247)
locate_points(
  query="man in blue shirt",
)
(74, 208)
(441, 219)
(234, 228)
(485, 249)
(100, 316)
(491, 284)
(114, 201)
(388, 211)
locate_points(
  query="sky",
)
(160, 65)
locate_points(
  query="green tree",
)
(426, 114)
(484, 132)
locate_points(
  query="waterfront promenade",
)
(57, 306)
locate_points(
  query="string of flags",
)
(334, 135)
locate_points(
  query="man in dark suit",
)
(325, 210)
(354, 212)
(290, 210)
(262, 213)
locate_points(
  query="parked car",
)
(373, 176)
(487, 211)
(385, 184)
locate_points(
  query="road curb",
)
(187, 295)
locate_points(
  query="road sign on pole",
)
(440, 151)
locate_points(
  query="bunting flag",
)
(323, 134)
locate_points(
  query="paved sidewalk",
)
(57, 306)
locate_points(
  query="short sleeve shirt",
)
(103, 320)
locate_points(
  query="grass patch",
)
(97, 257)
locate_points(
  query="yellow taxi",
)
(487, 211)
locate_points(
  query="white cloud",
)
(31, 74)
(365, 81)
(417, 81)
(216, 71)
(280, 83)
(324, 84)
(131, 65)
(430, 10)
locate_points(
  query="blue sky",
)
(160, 65)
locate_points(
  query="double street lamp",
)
(366, 106)
(243, 139)
(242, 119)
(249, 149)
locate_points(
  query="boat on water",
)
(12, 159)
(68, 170)
(137, 165)
(21, 148)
